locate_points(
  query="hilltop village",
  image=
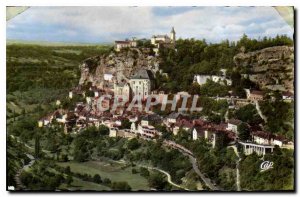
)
(118, 76)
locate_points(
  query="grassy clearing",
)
(79, 184)
(113, 171)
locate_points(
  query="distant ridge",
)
(46, 43)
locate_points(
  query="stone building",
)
(164, 40)
(125, 44)
(122, 89)
(233, 125)
(140, 83)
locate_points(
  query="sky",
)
(107, 24)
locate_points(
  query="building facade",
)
(140, 83)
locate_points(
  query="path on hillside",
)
(169, 178)
(259, 111)
(19, 184)
(238, 182)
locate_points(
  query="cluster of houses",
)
(222, 78)
(252, 96)
(144, 124)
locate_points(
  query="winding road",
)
(19, 184)
(193, 160)
(167, 174)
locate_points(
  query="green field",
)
(79, 184)
(113, 171)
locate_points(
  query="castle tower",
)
(173, 35)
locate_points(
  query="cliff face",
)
(121, 64)
(271, 68)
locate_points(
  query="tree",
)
(133, 144)
(248, 114)
(64, 158)
(103, 130)
(126, 124)
(97, 179)
(68, 170)
(243, 131)
(144, 172)
(37, 146)
(194, 89)
(120, 186)
(81, 153)
(106, 181)
(69, 180)
(157, 181)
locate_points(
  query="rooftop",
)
(142, 74)
(234, 121)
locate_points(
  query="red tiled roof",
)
(122, 42)
(234, 121)
(289, 94)
(257, 92)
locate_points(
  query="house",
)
(122, 89)
(144, 129)
(95, 90)
(151, 119)
(113, 132)
(221, 80)
(198, 132)
(267, 138)
(201, 79)
(124, 133)
(108, 77)
(147, 131)
(182, 124)
(119, 45)
(254, 95)
(233, 124)
(288, 96)
(78, 90)
(141, 83)
(209, 134)
(172, 118)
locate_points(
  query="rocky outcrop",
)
(121, 64)
(271, 68)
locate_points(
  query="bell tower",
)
(173, 35)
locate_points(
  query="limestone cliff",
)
(271, 68)
(121, 64)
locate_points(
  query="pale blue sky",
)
(106, 24)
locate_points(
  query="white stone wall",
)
(232, 127)
(195, 134)
(140, 87)
(201, 79)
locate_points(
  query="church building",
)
(140, 83)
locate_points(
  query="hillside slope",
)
(271, 68)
